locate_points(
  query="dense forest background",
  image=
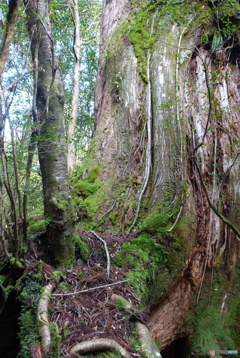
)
(119, 178)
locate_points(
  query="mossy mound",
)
(87, 194)
(148, 260)
(36, 227)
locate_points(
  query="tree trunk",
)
(7, 37)
(76, 88)
(166, 104)
(49, 127)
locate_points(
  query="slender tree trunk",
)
(49, 126)
(76, 88)
(7, 37)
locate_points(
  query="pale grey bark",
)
(76, 88)
(49, 127)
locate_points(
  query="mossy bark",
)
(193, 109)
(49, 128)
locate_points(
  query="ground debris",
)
(89, 315)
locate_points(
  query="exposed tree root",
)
(99, 344)
(148, 346)
(42, 314)
(165, 319)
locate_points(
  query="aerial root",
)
(99, 344)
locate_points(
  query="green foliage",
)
(220, 24)
(2, 279)
(63, 27)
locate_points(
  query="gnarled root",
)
(148, 346)
(42, 314)
(99, 344)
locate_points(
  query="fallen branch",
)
(42, 314)
(99, 344)
(106, 250)
(88, 289)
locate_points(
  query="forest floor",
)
(82, 316)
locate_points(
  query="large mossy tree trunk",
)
(48, 103)
(167, 108)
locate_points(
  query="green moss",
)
(214, 323)
(85, 188)
(113, 216)
(36, 227)
(93, 174)
(211, 331)
(235, 323)
(122, 303)
(144, 257)
(55, 340)
(142, 39)
(28, 297)
(159, 220)
(82, 248)
(87, 194)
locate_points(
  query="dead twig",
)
(89, 289)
